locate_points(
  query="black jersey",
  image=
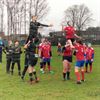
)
(34, 27)
(16, 53)
(32, 47)
(9, 51)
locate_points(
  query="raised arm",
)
(77, 36)
(44, 25)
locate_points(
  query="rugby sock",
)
(49, 68)
(86, 66)
(68, 75)
(41, 65)
(35, 74)
(30, 75)
(19, 73)
(77, 76)
(12, 68)
(82, 72)
(90, 68)
(64, 75)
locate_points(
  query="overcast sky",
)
(57, 8)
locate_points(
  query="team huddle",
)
(35, 49)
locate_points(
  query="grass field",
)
(51, 87)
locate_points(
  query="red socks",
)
(77, 76)
(49, 68)
(82, 72)
(90, 68)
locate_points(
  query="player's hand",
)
(80, 38)
(50, 57)
(42, 57)
(28, 42)
(69, 41)
(92, 60)
(50, 25)
(25, 46)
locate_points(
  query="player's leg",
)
(77, 73)
(44, 63)
(19, 67)
(12, 67)
(31, 65)
(82, 71)
(24, 72)
(65, 64)
(8, 63)
(83, 74)
(68, 71)
(1, 57)
(35, 75)
(86, 66)
(90, 63)
(69, 59)
(49, 65)
(41, 65)
(25, 66)
(30, 71)
(29, 38)
(33, 69)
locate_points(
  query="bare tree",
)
(79, 16)
(1, 17)
(19, 14)
(39, 8)
(12, 12)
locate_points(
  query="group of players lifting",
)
(84, 55)
(33, 50)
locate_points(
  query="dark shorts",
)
(32, 60)
(15, 60)
(88, 62)
(46, 59)
(68, 58)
